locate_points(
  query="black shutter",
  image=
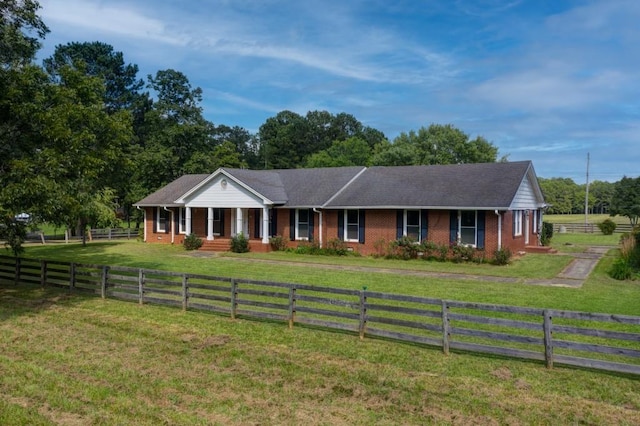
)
(481, 227)
(292, 224)
(513, 223)
(341, 225)
(256, 223)
(155, 219)
(222, 213)
(399, 224)
(274, 222)
(361, 226)
(424, 224)
(453, 226)
(310, 224)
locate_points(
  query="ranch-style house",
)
(488, 206)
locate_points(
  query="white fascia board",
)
(213, 176)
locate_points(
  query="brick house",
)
(488, 206)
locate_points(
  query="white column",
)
(527, 227)
(265, 225)
(239, 221)
(210, 223)
(187, 220)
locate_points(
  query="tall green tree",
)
(561, 194)
(350, 152)
(626, 199)
(283, 140)
(21, 30)
(437, 144)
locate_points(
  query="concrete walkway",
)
(573, 276)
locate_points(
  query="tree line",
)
(83, 136)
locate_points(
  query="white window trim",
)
(161, 211)
(475, 228)
(346, 226)
(182, 213)
(517, 223)
(405, 224)
(298, 237)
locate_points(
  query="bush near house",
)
(192, 242)
(607, 226)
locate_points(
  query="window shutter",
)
(399, 223)
(361, 226)
(481, 227)
(424, 224)
(155, 219)
(513, 223)
(292, 224)
(453, 226)
(310, 224)
(274, 222)
(256, 223)
(341, 225)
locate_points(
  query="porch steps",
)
(219, 244)
(540, 249)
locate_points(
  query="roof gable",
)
(168, 194)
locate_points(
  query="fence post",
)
(234, 295)
(109, 234)
(43, 272)
(17, 277)
(446, 329)
(103, 282)
(141, 286)
(185, 292)
(72, 276)
(363, 312)
(292, 305)
(548, 341)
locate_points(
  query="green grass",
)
(418, 277)
(69, 359)
(580, 218)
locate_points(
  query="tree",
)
(19, 19)
(437, 144)
(282, 140)
(561, 194)
(350, 152)
(122, 87)
(602, 193)
(626, 199)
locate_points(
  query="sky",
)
(551, 81)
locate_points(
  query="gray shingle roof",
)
(485, 185)
(167, 195)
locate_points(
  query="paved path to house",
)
(573, 275)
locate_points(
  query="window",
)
(302, 224)
(517, 222)
(412, 224)
(217, 221)
(163, 220)
(468, 227)
(182, 212)
(353, 224)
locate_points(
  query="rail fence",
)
(587, 228)
(92, 234)
(592, 340)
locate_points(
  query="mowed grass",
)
(580, 218)
(75, 360)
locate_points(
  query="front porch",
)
(222, 244)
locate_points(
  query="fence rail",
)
(587, 228)
(93, 234)
(600, 341)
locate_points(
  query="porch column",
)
(265, 225)
(210, 224)
(187, 220)
(239, 227)
(527, 227)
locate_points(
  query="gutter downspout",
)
(144, 223)
(499, 229)
(315, 210)
(173, 231)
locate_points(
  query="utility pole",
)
(586, 196)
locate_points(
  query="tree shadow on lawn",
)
(96, 253)
(28, 299)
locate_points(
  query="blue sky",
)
(543, 80)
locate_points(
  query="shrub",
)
(382, 248)
(192, 242)
(278, 243)
(607, 226)
(406, 248)
(308, 247)
(336, 247)
(621, 270)
(443, 252)
(239, 244)
(429, 250)
(462, 253)
(502, 256)
(546, 233)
